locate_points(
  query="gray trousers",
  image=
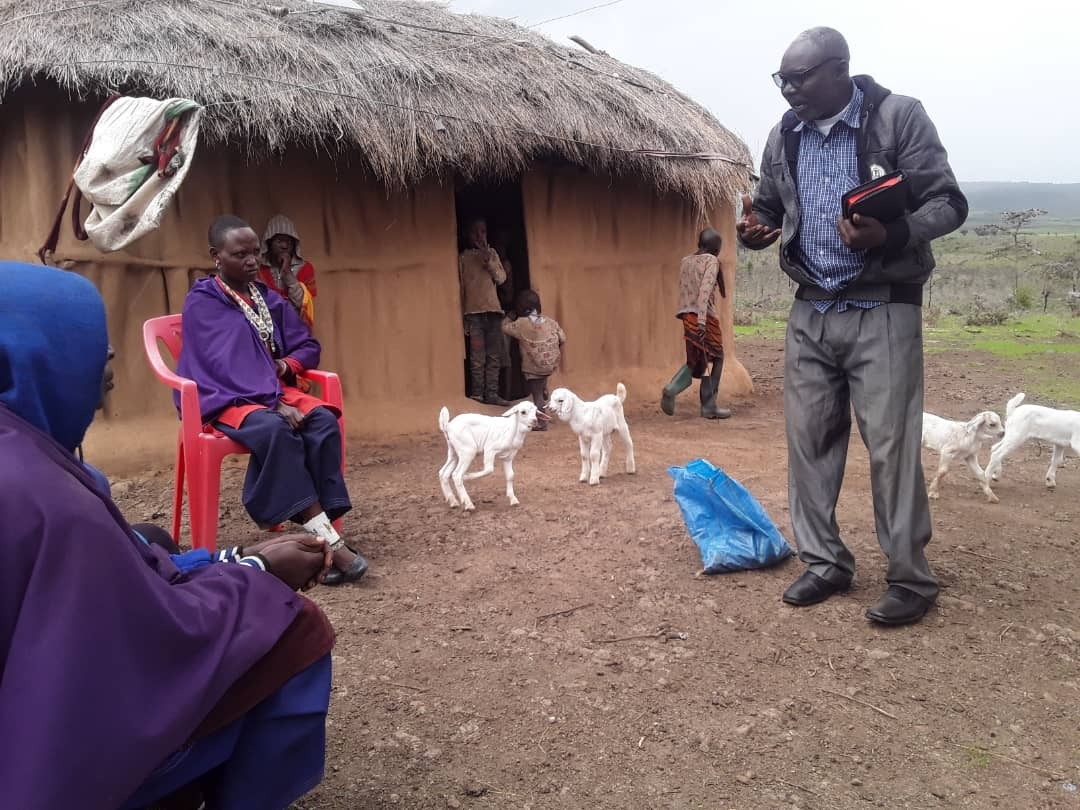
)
(870, 361)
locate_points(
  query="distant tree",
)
(1012, 222)
(1068, 270)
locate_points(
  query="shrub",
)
(982, 315)
(745, 317)
(1023, 298)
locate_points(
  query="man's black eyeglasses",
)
(796, 80)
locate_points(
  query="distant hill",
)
(988, 199)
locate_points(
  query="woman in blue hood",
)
(122, 677)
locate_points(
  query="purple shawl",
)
(109, 657)
(224, 356)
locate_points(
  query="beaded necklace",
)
(259, 317)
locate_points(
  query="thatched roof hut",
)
(410, 85)
(376, 131)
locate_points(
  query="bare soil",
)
(457, 684)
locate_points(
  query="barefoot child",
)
(540, 340)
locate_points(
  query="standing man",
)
(480, 273)
(854, 334)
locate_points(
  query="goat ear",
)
(512, 412)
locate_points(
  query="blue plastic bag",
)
(731, 529)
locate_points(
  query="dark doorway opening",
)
(501, 207)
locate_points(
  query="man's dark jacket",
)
(894, 133)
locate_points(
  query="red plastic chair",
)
(199, 452)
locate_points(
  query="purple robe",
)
(225, 357)
(109, 656)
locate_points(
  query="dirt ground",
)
(457, 684)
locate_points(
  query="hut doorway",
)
(501, 206)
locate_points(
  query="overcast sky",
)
(1003, 86)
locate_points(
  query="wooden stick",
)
(1005, 632)
(406, 686)
(657, 634)
(861, 702)
(460, 629)
(969, 748)
(566, 612)
(983, 556)
(798, 787)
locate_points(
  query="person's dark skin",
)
(298, 560)
(237, 261)
(282, 249)
(817, 85)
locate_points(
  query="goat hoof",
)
(993, 498)
(595, 483)
(515, 502)
(932, 496)
(1051, 485)
(469, 508)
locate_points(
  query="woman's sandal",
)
(358, 567)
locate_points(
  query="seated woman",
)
(244, 346)
(124, 677)
(284, 270)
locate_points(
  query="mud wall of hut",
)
(604, 255)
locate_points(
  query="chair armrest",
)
(157, 363)
(330, 384)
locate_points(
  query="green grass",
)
(770, 326)
(1042, 352)
(977, 757)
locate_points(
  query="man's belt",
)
(883, 293)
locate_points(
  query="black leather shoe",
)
(335, 576)
(809, 589)
(899, 606)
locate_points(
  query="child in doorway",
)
(540, 340)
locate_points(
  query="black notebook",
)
(884, 199)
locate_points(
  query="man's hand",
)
(298, 560)
(751, 231)
(292, 415)
(282, 368)
(702, 326)
(862, 233)
(286, 268)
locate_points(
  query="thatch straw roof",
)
(415, 88)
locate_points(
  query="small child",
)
(700, 278)
(541, 341)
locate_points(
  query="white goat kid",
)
(595, 423)
(1026, 422)
(495, 437)
(961, 442)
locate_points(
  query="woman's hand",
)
(299, 560)
(282, 368)
(292, 415)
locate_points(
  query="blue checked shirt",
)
(828, 168)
